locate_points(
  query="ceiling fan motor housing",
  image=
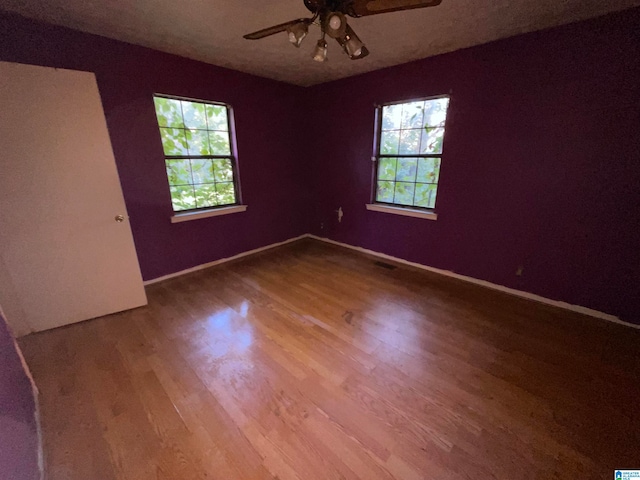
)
(317, 6)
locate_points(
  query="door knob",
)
(119, 218)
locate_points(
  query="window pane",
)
(435, 112)
(179, 172)
(182, 198)
(174, 141)
(385, 192)
(219, 143)
(389, 143)
(206, 195)
(387, 169)
(391, 117)
(192, 129)
(412, 115)
(428, 170)
(223, 170)
(404, 193)
(198, 142)
(426, 195)
(169, 112)
(407, 168)
(202, 170)
(226, 193)
(217, 117)
(194, 115)
(432, 140)
(410, 142)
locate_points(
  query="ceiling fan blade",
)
(276, 29)
(361, 8)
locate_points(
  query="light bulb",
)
(335, 22)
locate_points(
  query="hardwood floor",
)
(312, 362)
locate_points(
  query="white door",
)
(64, 257)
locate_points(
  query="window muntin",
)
(200, 164)
(410, 138)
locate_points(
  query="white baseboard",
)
(222, 260)
(512, 291)
(494, 286)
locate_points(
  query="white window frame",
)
(397, 208)
(207, 211)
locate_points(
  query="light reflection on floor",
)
(230, 338)
(391, 321)
(244, 309)
(228, 332)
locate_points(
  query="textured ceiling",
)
(211, 30)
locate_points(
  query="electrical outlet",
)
(519, 271)
(322, 226)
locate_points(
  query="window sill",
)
(214, 212)
(407, 212)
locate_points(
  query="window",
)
(409, 146)
(200, 162)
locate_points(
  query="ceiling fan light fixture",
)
(330, 15)
(335, 24)
(352, 45)
(320, 52)
(297, 32)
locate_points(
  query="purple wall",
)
(127, 75)
(541, 163)
(18, 432)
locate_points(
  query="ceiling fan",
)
(330, 15)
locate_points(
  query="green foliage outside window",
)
(411, 140)
(197, 148)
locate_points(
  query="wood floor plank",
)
(313, 362)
